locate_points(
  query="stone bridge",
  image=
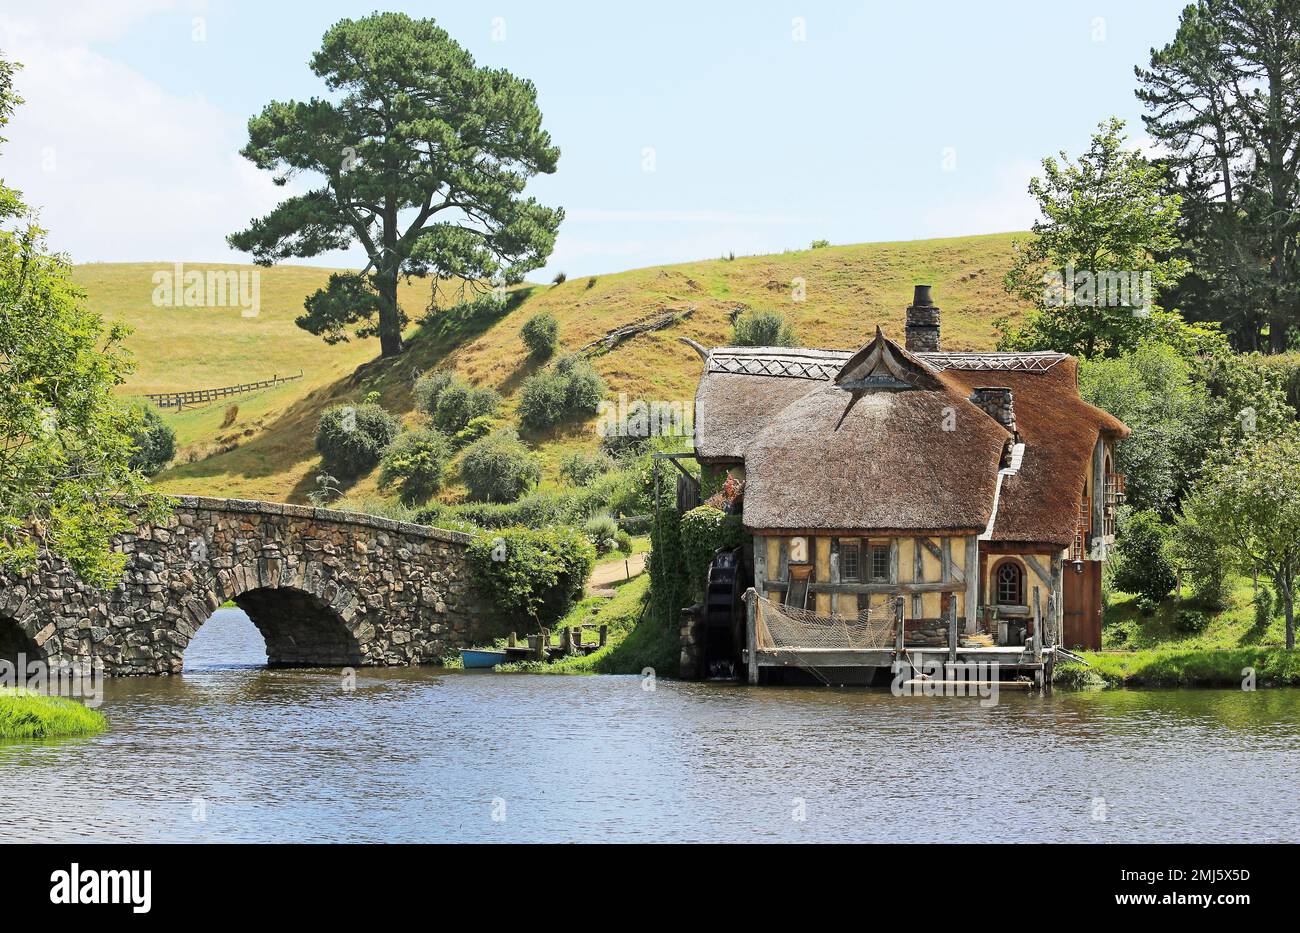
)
(324, 588)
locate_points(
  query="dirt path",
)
(612, 571)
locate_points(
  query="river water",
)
(233, 752)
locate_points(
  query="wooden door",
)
(1082, 609)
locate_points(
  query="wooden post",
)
(751, 633)
(566, 640)
(898, 627)
(1038, 630)
(604, 634)
(513, 640)
(952, 632)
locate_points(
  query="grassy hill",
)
(260, 445)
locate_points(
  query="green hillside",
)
(264, 448)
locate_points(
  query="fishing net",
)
(778, 626)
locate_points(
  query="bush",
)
(352, 438)
(429, 387)
(459, 403)
(541, 335)
(623, 541)
(559, 279)
(1265, 608)
(477, 428)
(602, 532)
(820, 244)
(763, 329)
(416, 461)
(154, 442)
(1142, 565)
(499, 468)
(582, 469)
(569, 387)
(703, 531)
(532, 576)
(1204, 563)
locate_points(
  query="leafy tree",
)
(1104, 216)
(421, 158)
(1152, 391)
(1224, 98)
(351, 439)
(541, 334)
(153, 440)
(763, 329)
(416, 462)
(1249, 501)
(499, 468)
(1142, 563)
(66, 481)
(532, 575)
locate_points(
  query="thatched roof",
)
(837, 440)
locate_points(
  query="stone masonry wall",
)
(325, 588)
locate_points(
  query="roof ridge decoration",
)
(883, 364)
(825, 365)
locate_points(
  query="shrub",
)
(763, 329)
(532, 575)
(459, 403)
(429, 387)
(352, 438)
(569, 387)
(602, 532)
(1204, 563)
(581, 468)
(559, 279)
(1142, 565)
(478, 427)
(378, 506)
(541, 335)
(154, 442)
(416, 461)
(499, 468)
(1265, 608)
(623, 541)
(820, 244)
(1190, 622)
(703, 531)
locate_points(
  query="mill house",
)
(899, 499)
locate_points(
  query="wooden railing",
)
(179, 400)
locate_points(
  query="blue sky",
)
(687, 129)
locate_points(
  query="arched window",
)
(1009, 583)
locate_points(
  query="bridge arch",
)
(16, 640)
(299, 628)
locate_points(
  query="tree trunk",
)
(390, 320)
(390, 317)
(1290, 622)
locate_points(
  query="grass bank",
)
(1273, 667)
(633, 644)
(28, 715)
(1180, 643)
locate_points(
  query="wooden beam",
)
(918, 575)
(1031, 561)
(891, 588)
(751, 633)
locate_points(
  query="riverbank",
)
(632, 646)
(27, 715)
(1173, 667)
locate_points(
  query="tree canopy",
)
(66, 444)
(420, 156)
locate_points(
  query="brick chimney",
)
(922, 321)
(999, 403)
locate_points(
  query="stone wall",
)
(325, 588)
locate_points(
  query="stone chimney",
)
(922, 321)
(999, 403)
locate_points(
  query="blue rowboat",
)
(481, 658)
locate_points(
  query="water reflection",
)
(422, 754)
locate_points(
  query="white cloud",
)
(120, 168)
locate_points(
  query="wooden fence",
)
(179, 400)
